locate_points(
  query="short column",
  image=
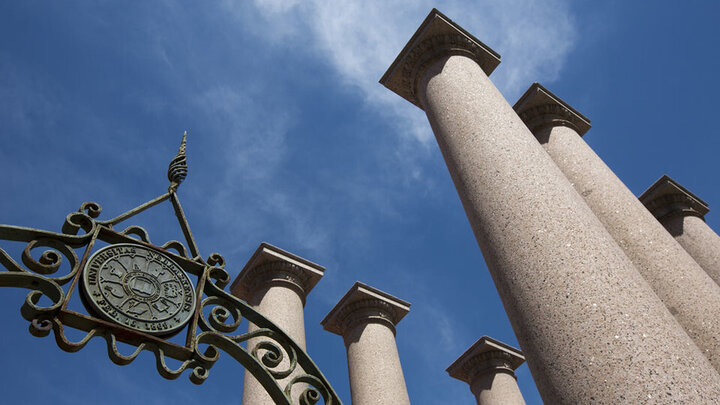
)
(682, 213)
(685, 288)
(488, 366)
(590, 326)
(366, 317)
(275, 283)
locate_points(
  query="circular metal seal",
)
(139, 288)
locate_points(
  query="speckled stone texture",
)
(366, 317)
(488, 366)
(683, 214)
(685, 288)
(276, 283)
(590, 326)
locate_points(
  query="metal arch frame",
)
(217, 329)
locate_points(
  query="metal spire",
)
(178, 169)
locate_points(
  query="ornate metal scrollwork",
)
(274, 359)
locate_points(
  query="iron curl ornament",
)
(142, 294)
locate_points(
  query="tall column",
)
(687, 291)
(275, 283)
(488, 366)
(366, 317)
(590, 326)
(683, 214)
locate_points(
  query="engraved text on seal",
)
(139, 288)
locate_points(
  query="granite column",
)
(275, 283)
(488, 366)
(683, 214)
(589, 325)
(366, 318)
(685, 288)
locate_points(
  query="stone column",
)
(683, 214)
(590, 326)
(488, 366)
(366, 317)
(275, 283)
(688, 292)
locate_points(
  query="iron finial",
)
(178, 169)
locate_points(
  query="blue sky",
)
(292, 141)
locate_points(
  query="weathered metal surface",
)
(211, 321)
(138, 287)
(178, 168)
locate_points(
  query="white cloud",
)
(250, 174)
(254, 142)
(533, 37)
(360, 39)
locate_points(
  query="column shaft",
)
(374, 367)
(275, 283)
(699, 240)
(682, 213)
(497, 389)
(688, 292)
(488, 366)
(589, 324)
(284, 307)
(365, 318)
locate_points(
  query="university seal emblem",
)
(139, 288)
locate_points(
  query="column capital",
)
(270, 265)
(487, 355)
(437, 37)
(666, 198)
(539, 108)
(365, 304)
